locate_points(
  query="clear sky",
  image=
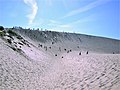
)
(94, 17)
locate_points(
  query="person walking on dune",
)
(79, 53)
(87, 52)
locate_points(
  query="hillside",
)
(77, 42)
(48, 60)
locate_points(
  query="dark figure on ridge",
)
(80, 53)
(87, 52)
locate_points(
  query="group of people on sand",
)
(80, 53)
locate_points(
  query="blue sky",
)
(94, 17)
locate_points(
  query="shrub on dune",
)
(2, 32)
(9, 41)
(1, 28)
(12, 32)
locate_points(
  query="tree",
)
(1, 28)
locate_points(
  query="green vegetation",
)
(12, 32)
(2, 33)
(9, 41)
(1, 28)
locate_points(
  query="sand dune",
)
(54, 62)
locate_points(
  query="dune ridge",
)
(47, 60)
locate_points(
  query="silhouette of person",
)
(80, 53)
(87, 52)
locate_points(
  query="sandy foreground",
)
(59, 61)
(72, 72)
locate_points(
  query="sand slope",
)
(35, 68)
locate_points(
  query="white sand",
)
(38, 69)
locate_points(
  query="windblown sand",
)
(39, 69)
